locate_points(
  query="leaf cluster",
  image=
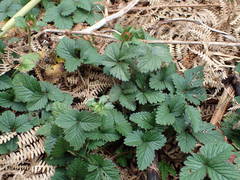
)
(68, 12)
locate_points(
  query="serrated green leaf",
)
(143, 119)
(194, 117)
(164, 116)
(146, 144)
(7, 100)
(165, 169)
(153, 57)
(77, 169)
(91, 17)
(8, 8)
(9, 146)
(208, 134)
(186, 142)
(100, 168)
(76, 124)
(163, 79)
(10, 123)
(54, 14)
(28, 62)
(211, 161)
(5, 82)
(128, 101)
(66, 7)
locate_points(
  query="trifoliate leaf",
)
(9, 146)
(186, 142)
(10, 123)
(165, 170)
(76, 124)
(7, 100)
(100, 168)
(77, 169)
(121, 124)
(152, 57)
(53, 93)
(162, 79)
(25, 87)
(208, 134)
(5, 82)
(146, 144)
(28, 62)
(143, 119)
(194, 117)
(164, 115)
(116, 58)
(211, 161)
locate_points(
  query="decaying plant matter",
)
(200, 21)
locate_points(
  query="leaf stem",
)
(22, 12)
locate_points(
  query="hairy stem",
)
(22, 12)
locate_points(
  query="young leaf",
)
(146, 144)
(100, 168)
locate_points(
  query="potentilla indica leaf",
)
(146, 143)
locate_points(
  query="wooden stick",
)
(225, 99)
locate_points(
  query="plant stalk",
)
(22, 12)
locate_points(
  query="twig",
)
(21, 12)
(77, 32)
(170, 6)
(210, 43)
(223, 103)
(107, 19)
(228, 36)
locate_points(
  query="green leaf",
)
(8, 8)
(208, 134)
(9, 146)
(165, 170)
(28, 62)
(128, 101)
(5, 82)
(76, 124)
(25, 87)
(20, 22)
(77, 169)
(146, 144)
(163, 79)
(10, 123)
(164, 115)
(100, 168)
(211, 161)
(194, 117)
(116, 58)
(150, 96)
(7, 100)
(186, 142)
(66, 7)
(57, 15)
(153, 57)
(143, 119)
(91, 17)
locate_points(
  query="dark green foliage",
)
(8, 8)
